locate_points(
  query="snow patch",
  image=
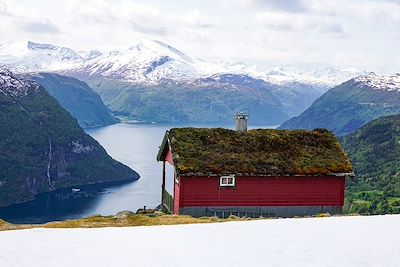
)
(14, 87)
(79, 148)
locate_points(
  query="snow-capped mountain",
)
(148, 62)
(323, 78)
(29, 57)
(90, 55)
(380, 81)
(328, 77)
(152, 62)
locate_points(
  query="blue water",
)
(135, 145)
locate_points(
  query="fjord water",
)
(135, 145)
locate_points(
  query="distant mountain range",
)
(31, 57)
(42, 148)
(347, 107)
(153, 81)
(151, 62)
(210, 100)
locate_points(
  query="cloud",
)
(39, 26)
(332, 28)
(278, 22)
(3, 8)
(147, 28)
(294, 6)
(297, 23)
(394, 1)
(193, 35)
(193, 19)
(92, 12)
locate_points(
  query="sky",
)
(265, 33)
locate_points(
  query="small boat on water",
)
(75, 190)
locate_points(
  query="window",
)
(227, 180)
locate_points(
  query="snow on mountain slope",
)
(336, 241)
(323, 78)
(380, 81)
(14, 87)
(152, 62)
(328, 77)
(147, 62)
(28, 57)
(90, 55)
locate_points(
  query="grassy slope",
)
(375, 153)
(130, 219)
(111, 221)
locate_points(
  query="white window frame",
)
(176, 177)
(226, 178)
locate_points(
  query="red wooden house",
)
(218, 172)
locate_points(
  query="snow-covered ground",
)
(336, 241)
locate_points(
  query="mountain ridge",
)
(148, 51)
(345, 108)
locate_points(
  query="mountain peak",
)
(160, 48)
(380, 81)
(63, 53)
(90, 55)
(30, 56)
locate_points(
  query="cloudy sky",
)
(266, 33)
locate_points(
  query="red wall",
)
(176, 198)
(262, 191)
(168, 157)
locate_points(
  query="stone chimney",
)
(241, 121)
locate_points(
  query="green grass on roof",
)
(262, 151)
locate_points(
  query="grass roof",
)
(205, 151)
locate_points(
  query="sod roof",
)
(216, 151)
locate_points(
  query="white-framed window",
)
(227, 180)
(176, 177)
